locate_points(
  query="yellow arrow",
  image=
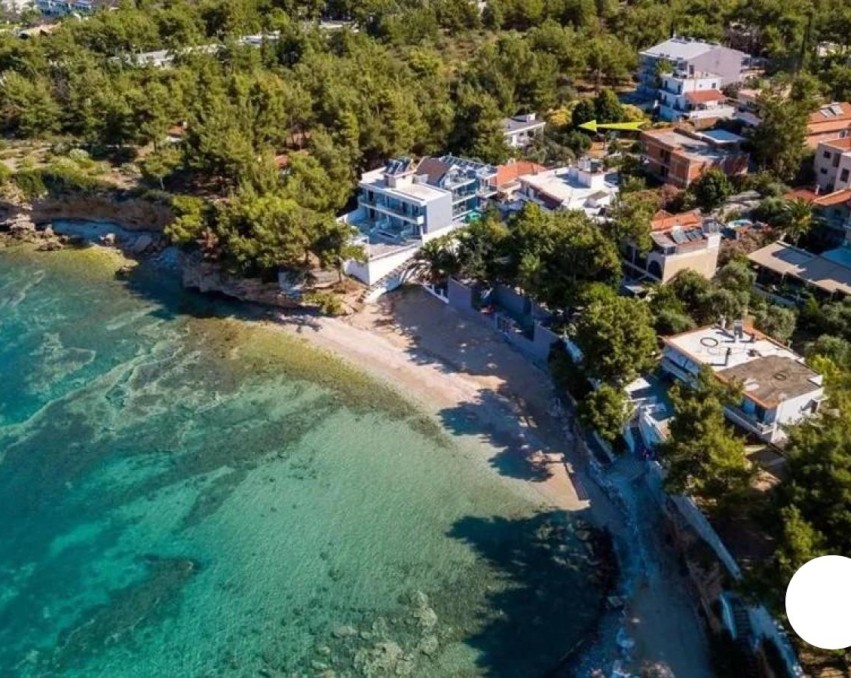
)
(593, 126)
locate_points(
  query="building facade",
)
(685, 55)
(521, 130)
(695, 96)
(406, 203)
(680, 242)
(833, 165)
(679, 156)
(778, 389)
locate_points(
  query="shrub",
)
(65, 177)
(31, 184)
(327, 302)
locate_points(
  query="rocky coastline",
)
(22, 228)
(28, 226)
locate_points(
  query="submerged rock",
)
(344, 631)
(382, 658)
(429, 645)
(143, 242)
(426, 617)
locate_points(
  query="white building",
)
(586, 186)
(692, 95)
(15, 7)
(405, 204)
(833, 165)
(778, 389)
(521, 130)
(687, 55)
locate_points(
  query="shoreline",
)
(370, 342)
(466, 375)
(440, 360)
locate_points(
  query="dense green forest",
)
(408, 77)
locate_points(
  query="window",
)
(823, 170)
(827, 154)
(843, 175)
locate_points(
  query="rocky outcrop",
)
(20, 228)
(209, 277)
(133, 214)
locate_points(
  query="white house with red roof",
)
(692, 95)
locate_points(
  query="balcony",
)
(747, 421)
(398, 210)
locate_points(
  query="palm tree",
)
(796, 219)
(436, 260)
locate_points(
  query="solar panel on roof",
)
(678, 236)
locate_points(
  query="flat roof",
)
(423, 192)
(768, 371)
(559, 185)
(722, 136)
(679, 48)
(824, 272)
(696, 148)
(511, 125)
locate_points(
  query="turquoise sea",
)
(186, 493)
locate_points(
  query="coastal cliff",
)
(133, 214)
(209, 277)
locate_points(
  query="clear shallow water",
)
(184, 493)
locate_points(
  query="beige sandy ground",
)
(456, 367)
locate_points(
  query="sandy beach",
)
(458, 369)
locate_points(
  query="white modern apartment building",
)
(406, 203)
(686, 55)
(778, 389)
(692, 95)
(586, 186)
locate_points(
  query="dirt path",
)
(459, 369)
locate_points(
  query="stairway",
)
(380, 286)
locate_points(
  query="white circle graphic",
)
(818, 602)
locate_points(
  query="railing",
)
(742, 418)
(392, 211)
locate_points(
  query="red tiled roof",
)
(801, 194)
(831, 118)
(835, 198)
(665, 221)
(823, 114)
(705, 96)
(512, 170)
(841, 144)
